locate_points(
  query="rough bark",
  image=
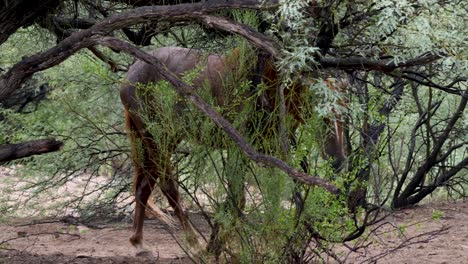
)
(19, 13)
(11, 152)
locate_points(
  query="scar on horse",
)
(153, 161)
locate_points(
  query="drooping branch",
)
(143, 36)
(187, 92)
(389, 67)
(112, 64)
(11, 152)
(17, 74)
(259, 40)
(62, 29)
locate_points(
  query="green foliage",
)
(25, 42)
(437, 215)
(83, 110)
(402, 229)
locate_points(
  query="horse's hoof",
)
(145, 254)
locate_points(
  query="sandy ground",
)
(430, 233)
(55, 241)
(422, 239)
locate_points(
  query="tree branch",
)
(427, 82)
(17, 74)
(73, 23)
(405, 198)
(11, 152)
(363, 63)
(112, 64)
(255, 38)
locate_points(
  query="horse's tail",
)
(153, 210)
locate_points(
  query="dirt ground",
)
(432, 233)
(66, 241)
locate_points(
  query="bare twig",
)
(112, 64)
(421, 238)
(364, 63)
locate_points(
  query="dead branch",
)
(11, 152)
(259, 40)
(428, 83)
(112, 64)
(408, 196)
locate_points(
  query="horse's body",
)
(153, 161)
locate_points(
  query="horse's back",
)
(178, 61)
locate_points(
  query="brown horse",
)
(152, 161)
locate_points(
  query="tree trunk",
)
(19, 13)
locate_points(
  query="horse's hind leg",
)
(144, 183)
(234, 204)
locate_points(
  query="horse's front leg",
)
(170, 189)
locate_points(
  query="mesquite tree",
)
(404, 102)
